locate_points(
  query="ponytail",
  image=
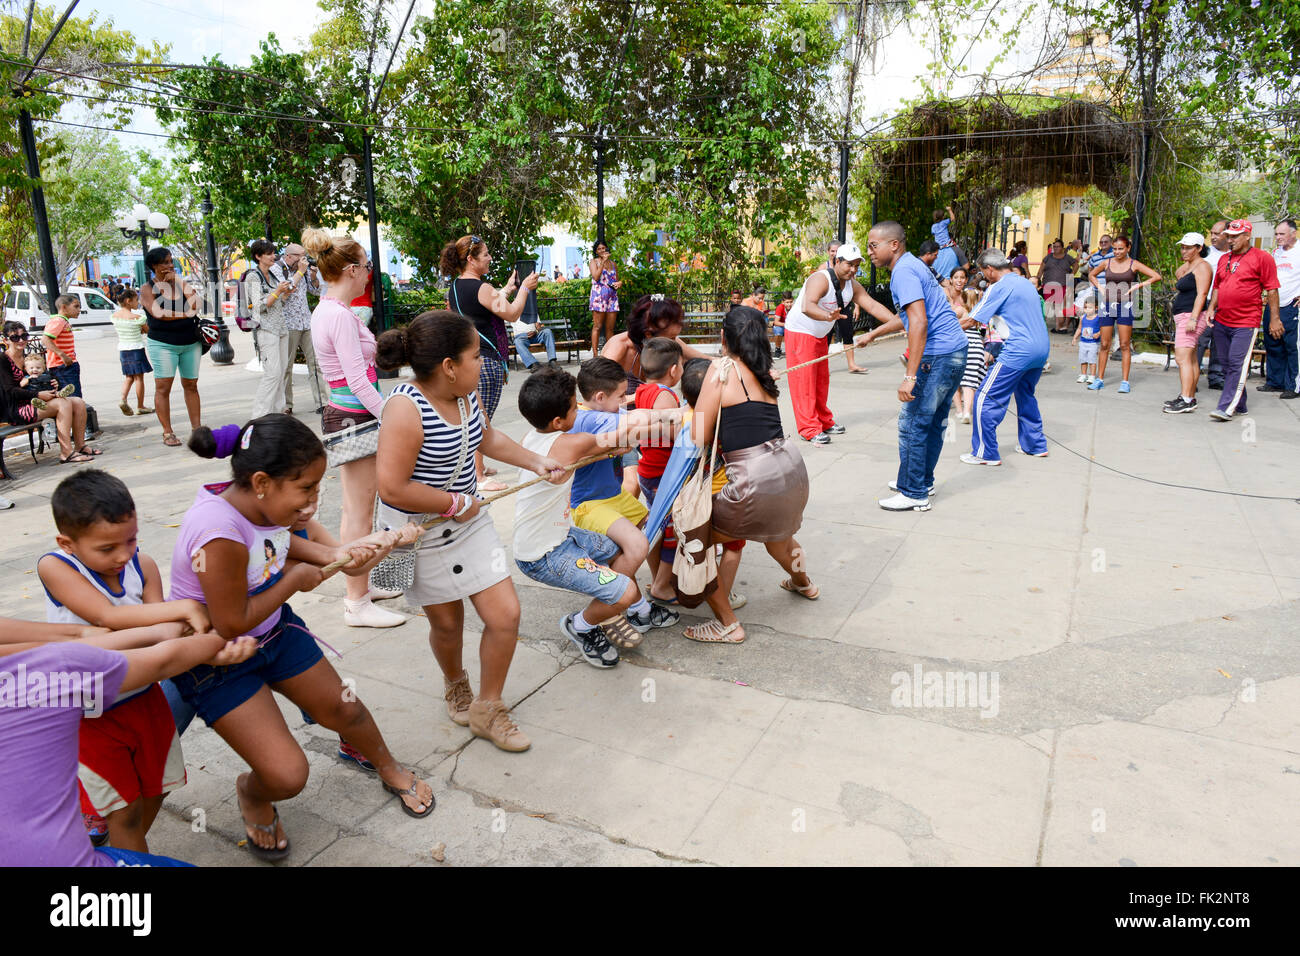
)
(277, 445)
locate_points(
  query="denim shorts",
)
(287, 650)
(576, 564)
(1117, 313)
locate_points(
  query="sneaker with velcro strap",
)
(593, 645)
(659, 616)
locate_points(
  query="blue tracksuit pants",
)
(999, 385)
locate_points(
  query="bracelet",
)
(909, 378)
(451, 509)
(467, 500)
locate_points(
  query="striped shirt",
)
(130, 331)
(441, 448)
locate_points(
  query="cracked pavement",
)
(1108, 668)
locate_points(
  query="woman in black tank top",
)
(767, 483)
(1193, 281)
(489, 309)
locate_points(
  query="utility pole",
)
(875, 213)
(600, 188)
(222, 352)
(842, 233)
(28, 136)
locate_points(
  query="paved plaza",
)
(1058, 664)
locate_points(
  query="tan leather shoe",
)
(491, 720)
(459, 695)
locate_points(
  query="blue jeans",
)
(545, 337)
(923, 420)
(1281, 365)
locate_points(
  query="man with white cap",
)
(297, 321)
(1019, 365)
(936, 358)
(827, 296)
(1243, 278)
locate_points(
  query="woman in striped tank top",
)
(432, 427)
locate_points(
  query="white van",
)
(22, 306)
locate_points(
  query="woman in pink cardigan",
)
(345, 351)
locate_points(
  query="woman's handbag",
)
(352, 443)
(396, 572)
(695, 567)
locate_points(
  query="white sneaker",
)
(365, 614)
(893, 486)
(1082, 380)
(382, 594)
(1219, 416)
(1031, 454)
(1091, 379)
(969, 459)
(5, 504)
(901, 502)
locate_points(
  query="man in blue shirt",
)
(936, 356)
(1019, 365)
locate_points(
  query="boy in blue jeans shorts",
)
(548, 549)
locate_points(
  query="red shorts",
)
(129, 752)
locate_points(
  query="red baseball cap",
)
(1237, 227)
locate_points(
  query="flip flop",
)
(76, 458)
(273, 853)
(789, 585)
(126, 409)
(411, 792)
(858, 371)
(143, 410)
(87, 450)
(712, 632)
(171, 441)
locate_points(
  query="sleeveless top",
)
(748, 423)
(797, 321)
(441, 446)
(654, 458)
(1186, 293)
(172, 331)
(462, 297)
(1117, 283)
(130, 591)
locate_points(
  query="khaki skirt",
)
(765, 493)
(452, 561)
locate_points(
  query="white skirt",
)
(452, 561)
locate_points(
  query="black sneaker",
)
(659, 616)
(593, 644)
(836, 430)
(1174, 401)
(1179, 406)
(1289, 394)
(821, 439)
(1269, 388)
(1216, 386)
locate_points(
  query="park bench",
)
(1257, 355)
(565, 338)
(35, 431)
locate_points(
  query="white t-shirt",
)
(522, 328)
(541, 511)
(1213, 257)
(1288, 273)
(797, 321)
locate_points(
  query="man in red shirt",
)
(1245, 276)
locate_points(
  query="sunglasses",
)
(20, 337)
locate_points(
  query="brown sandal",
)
(170, 440)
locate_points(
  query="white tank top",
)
(541, 511)
(130, 590)
(797, 321)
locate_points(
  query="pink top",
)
(345, 350)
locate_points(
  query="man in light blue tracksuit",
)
(1019, 364)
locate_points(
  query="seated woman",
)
(69, 413)
(767, 484)
(653, 316)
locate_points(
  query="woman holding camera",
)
(266, 289)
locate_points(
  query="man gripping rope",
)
(1019, 364)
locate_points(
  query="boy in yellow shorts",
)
(598, 502)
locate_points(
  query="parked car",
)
(21, 306)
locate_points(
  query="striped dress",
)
(441, 447)
(973, 374)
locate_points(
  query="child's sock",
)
(640, 607)
(581, 625)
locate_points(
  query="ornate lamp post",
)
(152, 225)
(222, 352)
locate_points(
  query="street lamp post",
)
(152, 225)
(222, 352)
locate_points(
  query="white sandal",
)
(712, 632)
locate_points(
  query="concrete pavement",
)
(1058, 664)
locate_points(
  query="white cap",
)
(849, 251)
(1192, 239)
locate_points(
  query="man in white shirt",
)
(1283, 360)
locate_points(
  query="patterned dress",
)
(604, 297)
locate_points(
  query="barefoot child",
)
(86, 671)
(130, 757)
(547, 548)
(235, 552)
(431, 429)
(130, 350)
